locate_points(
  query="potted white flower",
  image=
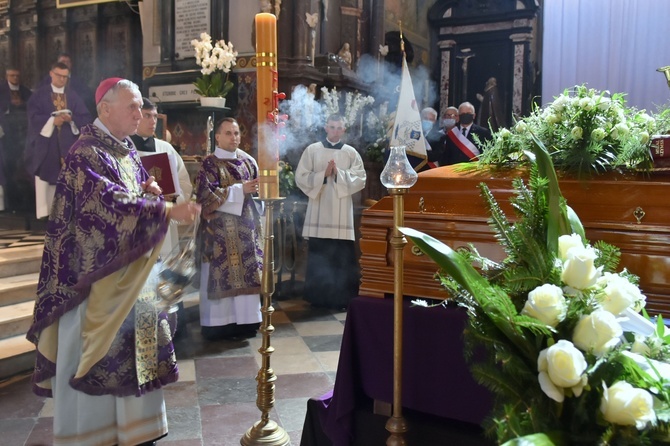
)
(216, 61)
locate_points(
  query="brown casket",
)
(630, 211)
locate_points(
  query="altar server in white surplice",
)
(329, 173)
(146, 144)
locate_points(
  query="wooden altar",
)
(629, 211)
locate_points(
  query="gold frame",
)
(161, 126)
(70, 3)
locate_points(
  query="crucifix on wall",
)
(464, 55)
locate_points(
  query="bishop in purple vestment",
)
(104, 347)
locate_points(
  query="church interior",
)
(337, 369)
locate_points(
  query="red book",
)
(158, 166)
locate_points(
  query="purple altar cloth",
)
(436, 378)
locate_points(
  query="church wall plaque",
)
(628, 211)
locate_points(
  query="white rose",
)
(559, 103)
(565, 242)
(577, 132)
(586, 103)
(547, 304)
(553, 119)
(618, 294)
(561, 366)
(620, 130)
(598, 134)
(579, 269)
(598, 332)
(641, 346)
(626, 405)
(604, 103)
(643, 137)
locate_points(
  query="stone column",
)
(521, 42)
(447, 51)
(301, 32)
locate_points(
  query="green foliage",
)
(586, 132)
(286, 179)
(213, 85)
(662, 117)
(495, 295)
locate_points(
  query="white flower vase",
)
(212, 102)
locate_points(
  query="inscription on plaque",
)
(173, 93)
(191, 17)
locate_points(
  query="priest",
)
(147, 144)
(55, 114)
(230, 241)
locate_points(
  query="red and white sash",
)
(464, 144)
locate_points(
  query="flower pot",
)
(212, 102)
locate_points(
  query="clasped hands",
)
(250, 187)
(62, 118)
(331, 170)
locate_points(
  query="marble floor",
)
(214, 401)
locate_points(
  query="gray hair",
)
(429, 110)
(112, 93)
(468, 105)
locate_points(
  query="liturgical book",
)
(158, 165)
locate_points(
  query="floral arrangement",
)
(377, 129)
(662, 117)
(215, 60)
(286, 179)
(586, 132)
(354, 102)
(570, 359)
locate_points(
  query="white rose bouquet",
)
(215, 60)
(570, 359)
(586, 131)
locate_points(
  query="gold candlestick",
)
(398, 176)
(666, 71)
(397, 425)
(266, 432)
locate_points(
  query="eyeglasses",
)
(60, 76)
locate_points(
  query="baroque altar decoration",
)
(570, 354)
(216, 61)
(586, 131)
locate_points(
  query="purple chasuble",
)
(43, 155)
(97, 226)
(231, 244)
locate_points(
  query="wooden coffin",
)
(630, 211)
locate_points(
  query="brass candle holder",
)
(398, 176)
(666, 71)
(265, 431)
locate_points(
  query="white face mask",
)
(448, 123)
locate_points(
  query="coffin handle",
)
(639, 214)
(416, 251)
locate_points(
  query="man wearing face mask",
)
(431, 131)
(437, 137)
(449, 120)
(463, 142)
